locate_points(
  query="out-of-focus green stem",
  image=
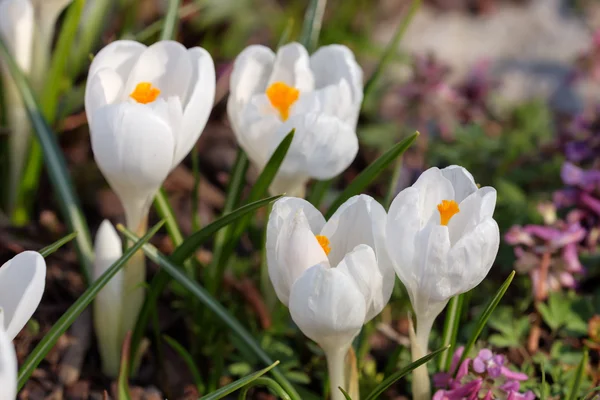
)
(170, 26)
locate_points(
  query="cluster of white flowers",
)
(439, 237)
(147, 107)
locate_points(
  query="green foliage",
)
(566, 314)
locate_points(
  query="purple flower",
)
(484, 377)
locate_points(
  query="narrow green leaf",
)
(346, 395)
(287, 33)
(368, 175)
(151, 30)
(313, 19)
(90, 33)
(389, 195)
(592, 391)
(234, 191)
(46, 251)
(483, 318)
(543, 390)
(262, 184)
(211, 303)
(392, 47)
(453, 312)
(56, 165)
(182, 253)
(269, 383)
(54, 84)
(187, 358)
(578, 378)
(318, 192)
(233, 386)
(67, 319)
(165, 211)
(390, 380)
(170, 25)
(122, 382)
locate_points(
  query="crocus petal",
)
(327, 306)
(361, 220)
(471, 258)
(109, 301)
(322, 148)
(199, 104)
(403, 225)
(167, 66)
(292, 67)
(119, 56)
(361, 265)
(134, 150)
(16, 28)
(461, 180)
(22, 282)
(333, 64)
(433, 187)
(103, 88)
(475, 208)
(292, 247)
(8, 366)
(430, 268)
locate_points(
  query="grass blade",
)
(164, 210)
(234, 190)
(578, 378)
(318, 192)
(183, 252)
(483, 318)
(453, 313)
(268, 382)
(259, 190)
(286, 34)
(67, 319)
(46, 251)
(123, 392)
(211, 303)
(346, 395)
(390, 380)
(392, 47)
(57, 167)
(233, 386)
(170, 25)
(313, 19)
(371, 172)
(187, 359)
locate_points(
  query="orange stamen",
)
(145, 93)
(282, 97)
(324, 242)
(447, 209)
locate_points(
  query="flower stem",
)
(134, 284)
(421, 385)
(335, 365)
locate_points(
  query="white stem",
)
(335, 365)
(134, 280)
(421, 385)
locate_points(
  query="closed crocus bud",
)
(319, 96)
(22, 282)
(443, 241)
(146, 107)
(8, 366)
(16, 29)
(108, 304)
(334, 276)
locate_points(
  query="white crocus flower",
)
(334, 276)
(108, 304)
(146, 107)
(8, 366)
(22, 282)
(443, 241)
(319, 96)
